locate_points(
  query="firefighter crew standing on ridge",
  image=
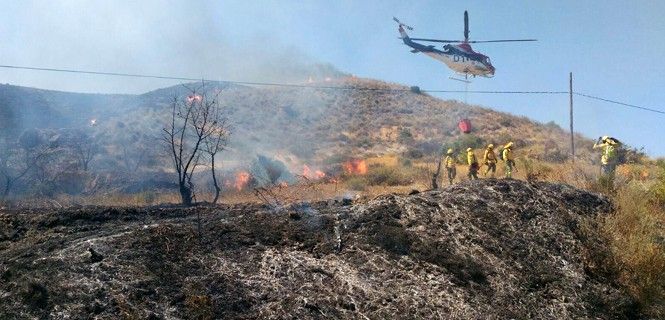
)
(473, 164)
(507, 156)
(608, 158)
(489, 159)
(450, 166)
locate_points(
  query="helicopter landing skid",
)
(458, 79)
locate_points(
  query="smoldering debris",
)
(482, 249)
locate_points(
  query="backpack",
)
(501, 154)
(615, 141)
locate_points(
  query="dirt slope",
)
(478, 250)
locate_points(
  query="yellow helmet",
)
(604, 138)
(490, 146)
(510, 144)
(468, 149)
(450, 151)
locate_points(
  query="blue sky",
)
(615, 49)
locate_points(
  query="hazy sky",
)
(614, 48)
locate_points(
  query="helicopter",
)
(456, 54)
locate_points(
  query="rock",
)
(95, 256)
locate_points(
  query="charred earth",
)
(477, 250)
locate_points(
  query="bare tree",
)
(13, 166)
(194, 120)
(134, 152)
(83, 148)
(18, 160)
(215, 144)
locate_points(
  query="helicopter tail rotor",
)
(402, 24)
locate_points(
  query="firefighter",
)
(489, 159)
(473, 164)
(608, 157)
(450, 166)
(507, 156)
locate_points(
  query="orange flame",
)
(242, 179)
(357, 166)
(309, 174)
(194, 98)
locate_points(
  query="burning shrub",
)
(241, 180)
(355, 167)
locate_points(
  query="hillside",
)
(24, 108)
(295, 125)
(488, 249)
(318, 124)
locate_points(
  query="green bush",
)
(405, 135)
(381, 176)
(535, 171)
(358, 183)
(658, 189)
(465, 141)
(385, 176)
(604, 184)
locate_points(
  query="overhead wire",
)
(618, 102)
(292, 85)
(310, 86)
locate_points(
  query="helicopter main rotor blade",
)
(466, 26)
(437, 40)
(472, 41)
(510, 40)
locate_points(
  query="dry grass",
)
(636, 231)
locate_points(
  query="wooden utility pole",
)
(572, 134)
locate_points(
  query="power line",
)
(618, 102)
(135, 75)
(496, 92)
(291, 85)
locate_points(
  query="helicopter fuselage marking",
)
(456, 58)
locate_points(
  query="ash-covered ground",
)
(488, 249)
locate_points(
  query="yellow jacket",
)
(608, 152)
(490, 156)
(471, 157)
(508, 154)
(450, 161)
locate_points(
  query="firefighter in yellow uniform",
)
(489, 159)
(473, 164)
(450, 166)
(507, 156)
(608, 158)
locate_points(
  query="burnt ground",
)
(488, 249)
